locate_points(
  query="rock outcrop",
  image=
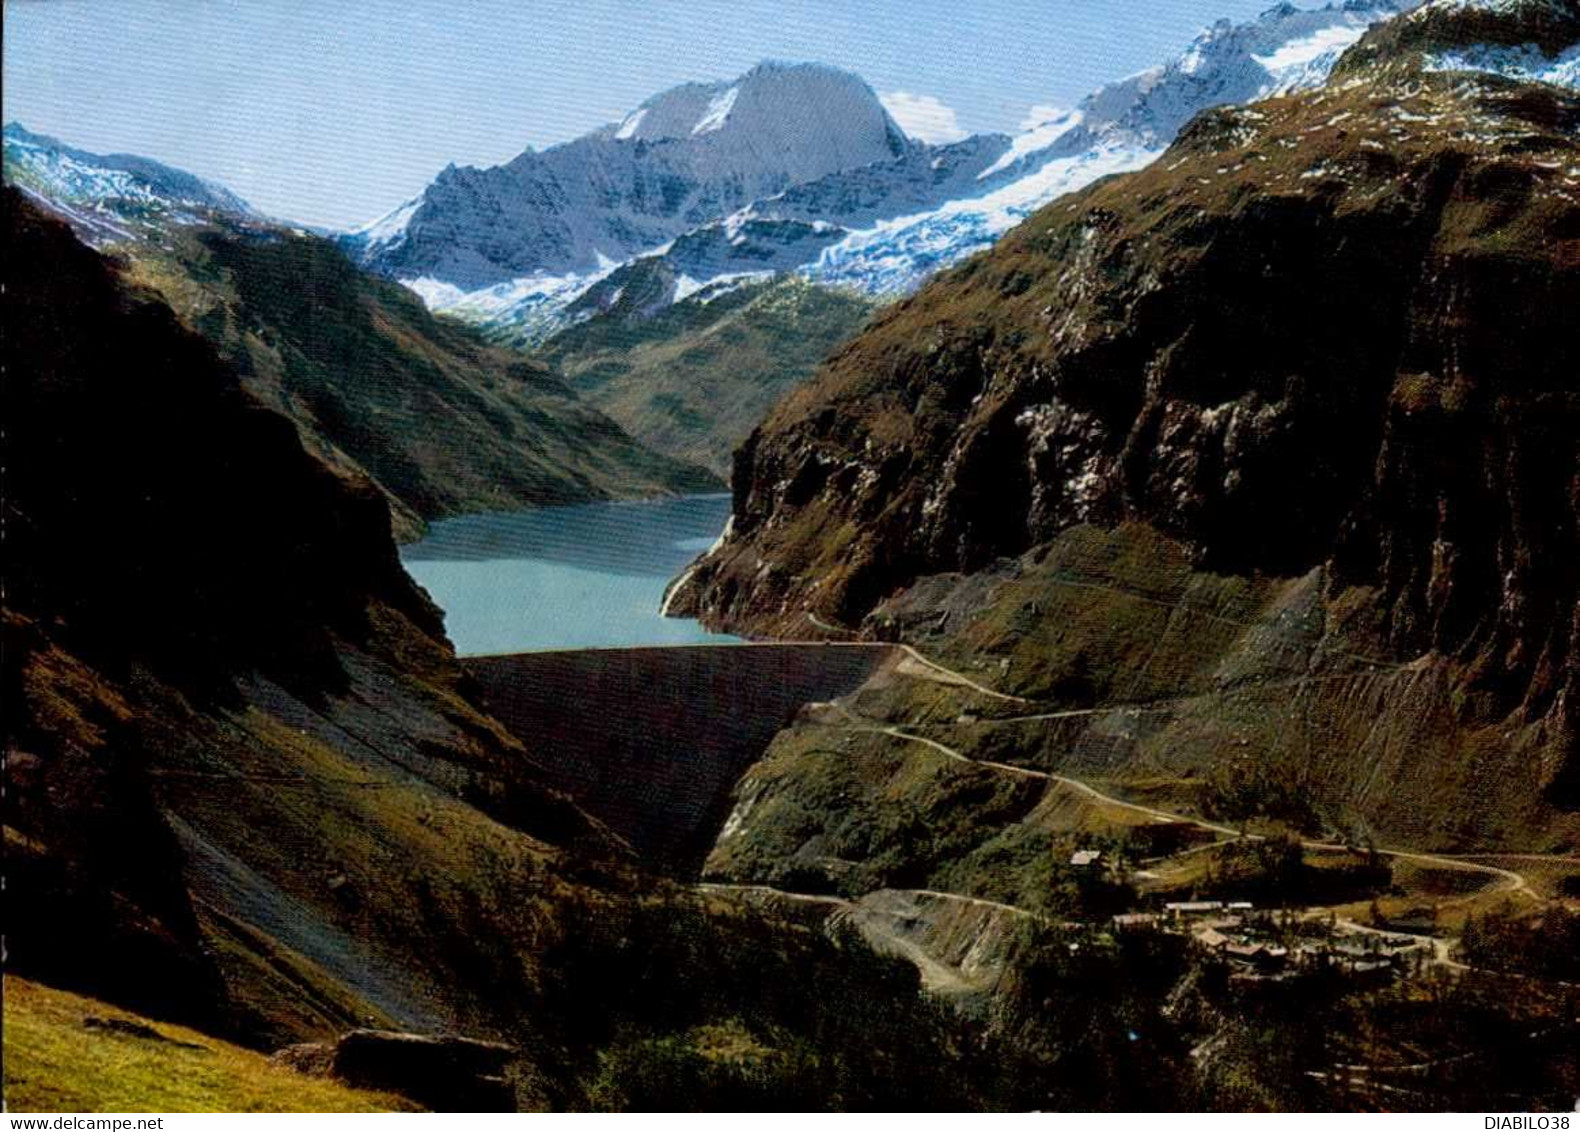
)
(446, 1072)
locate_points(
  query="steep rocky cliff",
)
(1328, 332)
(199, 617)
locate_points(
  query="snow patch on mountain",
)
(1500, 7)
(111, 198)
(1118, 128)
(712, 148)
(718, 112)
(894, 256)
(391, 227)
(61, 173)
(1527, 63)
(535, 303)
(632, 123)
(706, 290)
(1300, 53)
(1039, 137)
(884, 212)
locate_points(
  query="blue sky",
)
(333, 111)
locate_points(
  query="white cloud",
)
(922, 116)
(1037, 115)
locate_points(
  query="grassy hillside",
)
(443, 422)
(1245, 701)
(67, 1053)
(694, 379)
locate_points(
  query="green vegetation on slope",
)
(694, 379)
(66, 1053)
(1217, 696)
(443, 422)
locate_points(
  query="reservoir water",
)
(588, 576)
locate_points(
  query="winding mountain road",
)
(919, 665)
(940, 976)
(1512, 882)
(871, 918)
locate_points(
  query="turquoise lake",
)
(588, 576)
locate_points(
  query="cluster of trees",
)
(671, 1004)
(1545, 946)
(1080, 1023)
(1274, 872)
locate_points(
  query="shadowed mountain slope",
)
(247, 788)
(443, 422)
(1326, 332)
(199, 618)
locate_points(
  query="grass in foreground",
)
(57, 1060)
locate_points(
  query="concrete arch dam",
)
(651, 741)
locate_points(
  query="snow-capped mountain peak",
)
(77, 175)
(110, 197)
(772, 101)
(683, 158)
(846, 198)
(1284, 49)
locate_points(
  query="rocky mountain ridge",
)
(879, 225)
(113, 196)
(1161, 349)
(1122, 126)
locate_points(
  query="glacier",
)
(1117, 129)
(880, 218)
